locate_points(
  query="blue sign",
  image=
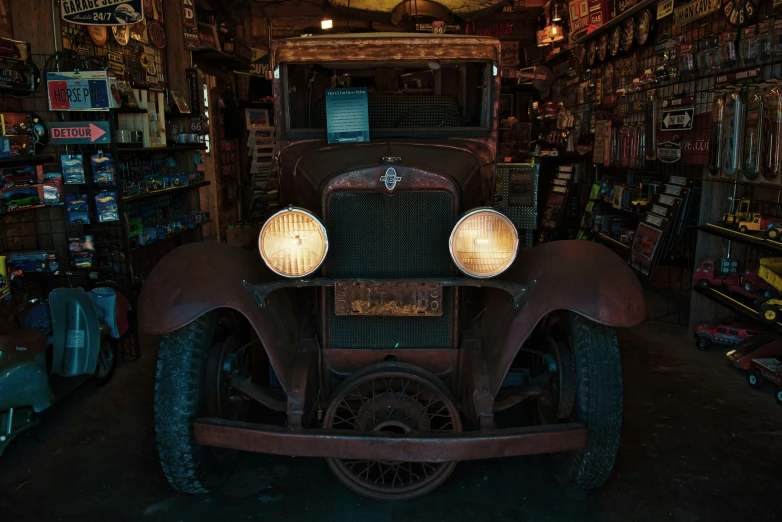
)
(347, 115)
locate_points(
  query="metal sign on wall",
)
(102, 12)
(79, 132)
(694, 10)
(190, 25)
(78, 91)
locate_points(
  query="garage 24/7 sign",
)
(102, 12)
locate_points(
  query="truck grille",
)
(402, 236)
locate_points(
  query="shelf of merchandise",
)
(26, 161)
(171, 147)
(732, 304)
(620, 248)
(172, 236)
(768, 245)
(164, 192)
(600, 30)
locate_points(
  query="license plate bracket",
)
(408, 299)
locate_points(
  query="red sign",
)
(79, 132)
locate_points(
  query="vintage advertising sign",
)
(738, 75)
(78, 91)
(509, 53)
(585, 14)
(259, 62)
(102, 12)
(694, 10)
(79, 133)
(669, 152)
(664, 8)
(190, 24)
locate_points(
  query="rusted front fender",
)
(580, 276)
(196, 278)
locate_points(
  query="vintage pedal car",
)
(388, 299)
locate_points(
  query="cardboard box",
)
(243, 235)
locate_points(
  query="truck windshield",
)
(418, 96)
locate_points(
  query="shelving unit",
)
(767, 245)
(121, 149)
(164, 192)
(597, 32)
(733, 304)
(26, 161)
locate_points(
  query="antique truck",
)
(389, 314)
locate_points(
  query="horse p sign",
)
(102, 12)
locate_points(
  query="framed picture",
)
(180, 103)
(255, 118)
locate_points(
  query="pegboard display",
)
(516, 193)
(133, 53)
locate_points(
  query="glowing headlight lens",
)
(484, 243)
(293, 243)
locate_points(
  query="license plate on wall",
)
(402, 299)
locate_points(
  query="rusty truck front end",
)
(389, 313)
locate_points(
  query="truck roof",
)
(385, 47)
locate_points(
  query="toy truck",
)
(762, 370)
(739, 214)
(770, 226)
(770, 268)
(713, 272)
(723, 334)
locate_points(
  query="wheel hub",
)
(396, 399)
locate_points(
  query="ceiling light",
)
(326, 23)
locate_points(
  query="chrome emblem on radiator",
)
(390, 178)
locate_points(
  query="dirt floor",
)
(697, 444)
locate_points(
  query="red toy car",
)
(725, 334)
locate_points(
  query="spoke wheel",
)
(399, 399)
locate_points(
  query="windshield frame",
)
(487, 111)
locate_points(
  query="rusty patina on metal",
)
(394, 299)
(385, 48)
(349, 444)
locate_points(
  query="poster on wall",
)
(509, 56)
(106, 12)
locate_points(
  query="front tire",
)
(182, 393)
(703, 344)
(756, 379)
(598, 403)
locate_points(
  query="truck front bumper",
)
(347, 444)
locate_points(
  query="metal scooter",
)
(81, 345)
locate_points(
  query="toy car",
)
(18, 179)
(762, 370)
(389, 301)
(78, 206)
(19, 199)
(725, 334)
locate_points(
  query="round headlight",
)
(483, 243)
(293, 243)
